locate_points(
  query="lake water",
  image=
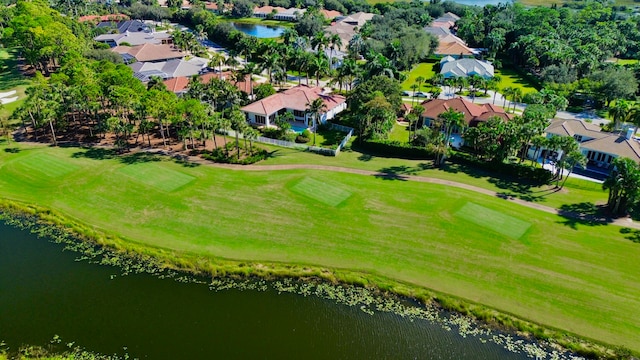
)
(259, 31)
(44, 292)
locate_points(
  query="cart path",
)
(625, 222)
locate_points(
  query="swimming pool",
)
(298, 128)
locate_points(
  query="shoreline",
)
(216, 268)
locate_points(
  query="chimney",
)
(630, 132)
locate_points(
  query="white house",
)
(451, 68)
(599, 147)
(263, 112)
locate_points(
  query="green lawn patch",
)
(11, 79)
(493, 220)
(44, 165)
(510, 77)
(156, 176)
(329, 194)
(399, 133)
(426, 69)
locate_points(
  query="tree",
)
(238, 121)
(315, 109)
(450, 120)
(623, 184)
(620, 113)
(242, 9)
(264, 90)
(573, 159)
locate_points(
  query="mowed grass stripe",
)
(46, 165)
(157, 176)
(329, 194)
(493, 220)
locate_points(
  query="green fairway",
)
(42, 164)
(556, 271)
(329, 194)
(493, 220)
(426, 69)
(159, 177)
(11, 79)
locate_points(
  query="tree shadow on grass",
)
(584, 213)
(400, 172)
(12, 150)
(97, 153)
(631, 234)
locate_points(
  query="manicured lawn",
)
(627, 61)
(576, 191)
(11, 79)
(328, 138)
(511, 78)
(542, 267)
(425, 69)
(400, 133)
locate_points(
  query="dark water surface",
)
(259, 31)
(45, 292)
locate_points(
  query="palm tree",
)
(335, 41)
(515, 97)
(573, 159)
(620, 112)
(232, 62)
(269, 61)
(238, 122)
(319, 41)
(419, 81)
(316, 108)
(623, 184)
(506, 93)
(250, 69)
(217, 59)
(493, 84)
(450, 120)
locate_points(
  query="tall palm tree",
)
(335, 41)
(269, 61)
(217, 59)
(250, 69)
(620, 112)
(320, 67)
(316, 108)
(450, 120)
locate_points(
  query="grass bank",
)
(557, 271)
(426, 69)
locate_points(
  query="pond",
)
(45, 291)
(259, 31)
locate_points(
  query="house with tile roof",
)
(473, 114)
(125, 26)
(279, 13)
(180, 84)
(134, 38)
(263, 112)
(148, 53)
(143, 71)
(452, 68)
(347, 27)
(448, 43)
(599, 147)
(101, 18)
(330, 14)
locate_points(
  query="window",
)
(578, 137)
(260, 119)
(298, 113)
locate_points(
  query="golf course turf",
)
(535, 265)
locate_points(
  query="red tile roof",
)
(295, 98)
(181, 83)
(473, 113)
(100, 18)
(150, 52)
(330, 14)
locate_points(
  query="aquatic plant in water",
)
(367, 300)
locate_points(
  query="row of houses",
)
(599, 147)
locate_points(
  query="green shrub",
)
(393, 148)
(300, 139)
(306, 133)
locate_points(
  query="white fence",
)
(293, 145)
